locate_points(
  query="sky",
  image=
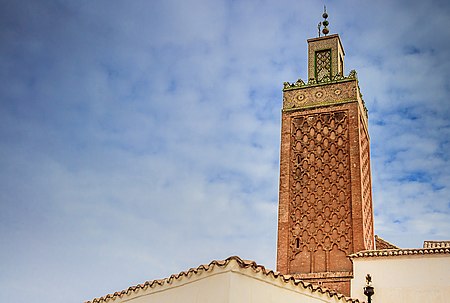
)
(141, 138)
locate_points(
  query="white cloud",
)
(142, 139)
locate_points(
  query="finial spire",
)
(325, 22)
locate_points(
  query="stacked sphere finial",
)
(325, 22)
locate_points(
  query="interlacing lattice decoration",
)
(323, 64)
(320, 180)
(366, 194)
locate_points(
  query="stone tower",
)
(325, 200)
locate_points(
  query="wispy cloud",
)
(139, 139)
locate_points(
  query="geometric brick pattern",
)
(323, 64)
(320, 208)
(366, 188)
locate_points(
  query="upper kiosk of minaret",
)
(325, 196)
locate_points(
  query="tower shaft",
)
(325, 198)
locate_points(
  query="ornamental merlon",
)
(326, 80)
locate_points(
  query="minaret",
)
(325, 200)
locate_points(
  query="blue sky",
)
(141, 138)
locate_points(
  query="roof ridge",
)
(223, 263)
(436, 243)
(400, 252)
(382, 242)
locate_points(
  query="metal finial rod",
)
(325, 22)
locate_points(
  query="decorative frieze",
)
(318, 95)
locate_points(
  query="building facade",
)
(404, 275)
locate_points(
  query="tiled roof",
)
(400, 252)
(436, 244)
(243, 264)
(380, 243)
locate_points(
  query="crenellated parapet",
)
(325, 80)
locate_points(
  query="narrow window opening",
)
(297, 243)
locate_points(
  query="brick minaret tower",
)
(325, 202)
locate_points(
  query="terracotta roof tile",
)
(245, 264)
(380, 243)
(400, 252)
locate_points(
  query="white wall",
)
(409, 278)
(245, 289)
(227, 285)
(206, 288)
